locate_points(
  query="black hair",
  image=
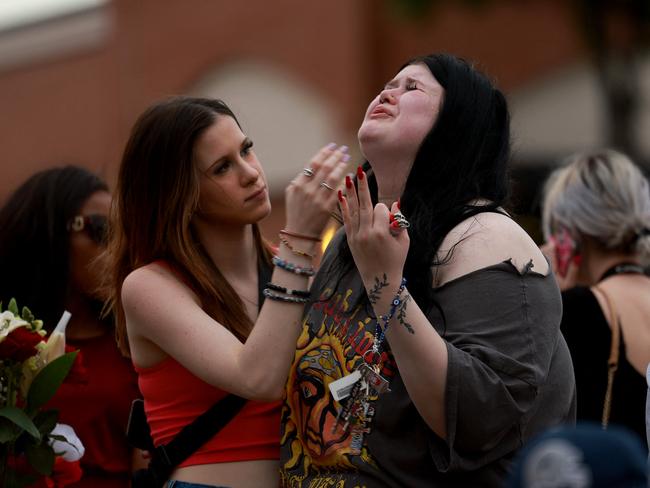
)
(34, 248)
(464, 157)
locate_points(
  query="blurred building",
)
(75, 74)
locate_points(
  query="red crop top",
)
(174, 397)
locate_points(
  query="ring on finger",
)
(401, 220)
(325, 185)
(308, 172)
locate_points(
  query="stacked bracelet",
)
(282, 289)
(297, 252)
(284, 298)
(293, 268)
(300, 236)
(380, 332)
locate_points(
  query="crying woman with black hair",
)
(432, 351)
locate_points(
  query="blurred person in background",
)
(596, 221)
(53, 231)
(584, 456)
(190, 271)
(434, 381)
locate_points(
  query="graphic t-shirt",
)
(509, 377)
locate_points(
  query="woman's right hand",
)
(312, 195)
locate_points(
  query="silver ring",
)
(325, 185)
(401, 220)
(308, 172)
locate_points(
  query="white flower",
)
(71, 449)
(9, 322)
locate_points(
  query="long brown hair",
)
(157, 193)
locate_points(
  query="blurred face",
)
(400, 117)
(87, 243)
(232, 184)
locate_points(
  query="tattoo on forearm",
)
(401, 315)
(375, 292)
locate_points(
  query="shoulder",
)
(152, 283)
(484, 240)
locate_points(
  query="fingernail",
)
(331, 145)
(346, 158)
(348, 181)
(391, 217)
(360, 173)
(577, 259)
(399, 207)
(340, 196)
(343, 148)
(395, 225)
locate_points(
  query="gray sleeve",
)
(501, 330)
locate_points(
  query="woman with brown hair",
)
(189, 272)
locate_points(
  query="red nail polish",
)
(399, 204)
(395, 225)
(341, 196)
(348, 181)
(577, 259)
(360, 173)
(391, 217)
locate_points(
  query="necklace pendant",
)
(376, 381)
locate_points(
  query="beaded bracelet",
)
(297, 252)
(297, 293)
(380, 332)
(300, 236)
(293, 268)
(283, 298)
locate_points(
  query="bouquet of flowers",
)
(32, 368)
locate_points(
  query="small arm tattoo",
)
(375, 292)
(401, 315)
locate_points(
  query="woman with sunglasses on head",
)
(53, 233)
(433, 349)
(190, 271)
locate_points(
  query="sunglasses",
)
(95, 226)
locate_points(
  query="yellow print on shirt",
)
(331, 345)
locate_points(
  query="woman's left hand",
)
(379, 246)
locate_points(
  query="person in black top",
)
(596, 218)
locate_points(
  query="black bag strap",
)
(165, 458)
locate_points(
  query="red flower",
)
(19, 344)
(63, 473)
(66, 473)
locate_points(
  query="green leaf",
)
(45, 421)
(27, 315)
(20, 418)
(48, 380)
(13, 306)
(8, 431)
(41, 458)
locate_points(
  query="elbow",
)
(264, 390)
